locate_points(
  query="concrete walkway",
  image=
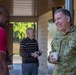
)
(17, 70)
(17, 67)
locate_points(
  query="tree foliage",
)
(19, 30)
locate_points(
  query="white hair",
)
(28, 30)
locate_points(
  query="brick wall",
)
(42, 39)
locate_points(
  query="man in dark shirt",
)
(29, 52)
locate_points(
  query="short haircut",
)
(28, 29)
(3, 14)
(3, 10)
(64, 12)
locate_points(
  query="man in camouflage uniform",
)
(65, 43)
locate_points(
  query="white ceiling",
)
(22, 7)
(30, 7)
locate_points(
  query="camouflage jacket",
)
(66, 46)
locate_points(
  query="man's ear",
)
(68, 18)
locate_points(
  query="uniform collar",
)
(30, 39)
(72, 29)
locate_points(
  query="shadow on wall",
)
(50, 68)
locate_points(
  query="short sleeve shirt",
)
(3, 40)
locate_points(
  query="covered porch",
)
(40, 11)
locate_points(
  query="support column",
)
(69, 5)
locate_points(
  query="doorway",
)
(19, 33)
